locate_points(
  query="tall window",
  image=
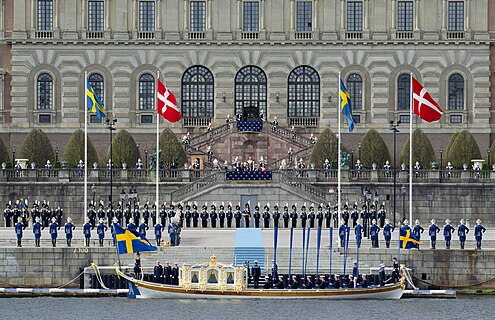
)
(456, 92)
(95, 15)
(304, 14)
(250, 16)
(197, 93)
(405, 16)
(147, 16)
(250, 89)
(45, 92)
(304, 92)
(198, 16)
(403, 92)
(456, 16)
(45, 14)
(146, 92)
(355, 88)
(354, 16)
(96, 82)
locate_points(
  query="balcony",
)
(95, 34)
(146, 35)
(196, 122)
(43, 34)
(404, 35)
(250, 35)
(455, 35)
(305, 122)
(196, 36)
(354, 35)
(303, 35)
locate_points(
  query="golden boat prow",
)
(214, 280)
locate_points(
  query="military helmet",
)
(478, 221)
(433, 221)
(463, 222)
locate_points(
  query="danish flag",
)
(424, 105)
(167, 104)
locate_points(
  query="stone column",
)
(416, 15)
(468, 14)
(262, 15)
(444, 15)
(208, 15)
(33, 14)
(393, 13)
(186, 20)
(55, 14)
(84, 17)
(315, 15)
(342, 12)
(158, 24)
(134, 15)
(107, 15)
(2, 79)
(2, 27)
(292, 15)
(366, 14)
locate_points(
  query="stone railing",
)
(196, 35)
(146, 35)
(43, 34)
(209, 136)
(354, 35)
(455, 35)
(404, 35)
(198, 185)
(286, 134)
(250, 35)
(303, 35)
(305, 122)
(300, 186)
(94, 35)
(303, 153)
(196, 122)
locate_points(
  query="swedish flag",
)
(94, 103)
(407, 239)
(345, 105)
(129, 241)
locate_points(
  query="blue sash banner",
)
(331, 248)
(275, 240)
(307, 249)
(249, 126)
(303, 245)
(250, 175)
(318, 242)
(290, 249)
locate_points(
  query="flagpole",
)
(411, 104)
(85, 146)
(157, 144)
(339, 110)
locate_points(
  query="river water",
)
(478, 308)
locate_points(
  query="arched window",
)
(146, 92)
(456, 92)
(197, 93)
(250, 89)
(96, 82)
(355, 88)
(304, 93)
(45, 92)
(403, 92)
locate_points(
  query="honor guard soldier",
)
(335, 216)
(54, 226)
(386, 169)
(237, 216)
(45, 214)
(118, 213)
(36, 211)
(286, 217)
(146, 214)
(433, 230)
(158, 273)
(127, 214)
(256, 274)
(365, 219)
(188, 215)
(266, 216)
(417, 231)
(175, 274)
(87, 231)
(171, 212)
(387, 232)
(153, 214)
(110, 214)
(354, 215)
(381, 275)
(374, 230)
(293, 216)
(100, 230)
(131, 226)
(221, 216)
(229, 215)
(257, 216)
(7, 215)
(37, 227)
(167, 273)
(80, 169)
(142, 228)
(326, 168)
(213, 216)
(276, 216)
(247, 215)
(101, 212)
(173, 230)
(136, 215)
(163, 215)
(59, 214)
(462, 230)
(195, 216)
(478, 233)
(311, 216)
(328, 217)
(342, 233)
(204, 217)
(304, 216)
(345, 214)
(319, 215)
(69, 227)
(19, 227)
(417, 169)
(382, 215)
(158, 233)
(373, 213)
(447, 233)
(358, 230)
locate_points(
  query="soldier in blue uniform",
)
(432, 232)
(311, 216)
(195, 216)
(172, 231)
(286, 217)
(204, 217)
(257, 216)
(345, 214)
(163, 215)
(342, 233)
(358, 230)
(387, 232)
(142, 228)
(131, 225)
(213, 216)
(188, 216)
(478, 233)
(37, 227)
(54, 226)
(417, 231)
(237, 216)
(354, 215)
(293, 216)
(19, 226)
(304, 216)
(266, 216)
(374, 230)
(69, 227)
(229, 215)
(100, 230)
(276, 216)
(319, 216)
(447, 233)
(87, 231)
(462, 230)
(158, 233)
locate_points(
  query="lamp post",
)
(376, 199)
(359, 150)
(403, 190)
(122, 197)
(13, 156)
(393, 128)
(488, 160)
(93, 192)
(368, 199)
(352, 158)
(145, 158)
(441, 163)
(110, 127)
(130, 196)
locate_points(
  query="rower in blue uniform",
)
(100, 230)
(358, 230)
(19, 226)
(342, 232)
(478, 233)
(374, 230)
(447, 233)
(69, 226)
(418, 230)
(54, 226)
(131, 226)
(432, 232)
(158, 233)
(87, 231)
(462, 230)
(387, 232)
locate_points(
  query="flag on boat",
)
(93, 102)
(167, 104)
(129, 241)
(424, 105)
(345, 105)
(408, 240)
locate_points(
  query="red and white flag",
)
(167, 104)
(424, 105)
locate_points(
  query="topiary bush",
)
(4, 156)
(449, 145)
(74, 151)
(422, 150)
(171, 149)
(463, 149)
(326, 147)
(124, 150)
(492, 154)
(374, 149)
(37, 148)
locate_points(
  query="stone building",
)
(283, 57)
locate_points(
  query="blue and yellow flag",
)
(408, 240)
(129, 241)
(345, 105)
(95, 105)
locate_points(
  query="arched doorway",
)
(251, 93)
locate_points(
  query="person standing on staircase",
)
(285, 217)
(229, 215)
(266, 217)
(204, 217)
(237, 216)
(213, 216)
(462, 230)
(19, 227)
(256, 274)
(54, 226)
(293, 216)
(433, 230)
(69, 227)
(276, 216)
(447, 233)
(247, 215)
(257, 216)
(221, 216)
(478, 233)
(195, 216)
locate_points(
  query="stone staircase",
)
(203, 139)
(301, 154)
(197, 186)
(298, 186)
(286, 135)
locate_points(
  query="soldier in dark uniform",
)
(19, 227)
(54, 226)
(204, 217)
(247, 215)
(158, 273)
(127, 214)
(188, 216)
(286, 217)
(136, 214)
(171, 213)
(478, 233)
(374, 230)
(387, 232)
(146, 214)
(7, 215)
(229, 215)
(293, 216)
(195, 216)
(328, 217)
(276, 216)
(37, 227)
(364, 218)
(447, 233)
(354, 215)
(59, 214)
(432, 232)
(221, 216)
(100, 230)
(110, 215)
(335, 216)
(319, 216)
(153, 214)
(345, 214)
(311, 216)
(304, 216)
(462, 231)
(36, 211)
(101, 212)
(237, 216)
(213, 216)
(45, 214)
(69, 227)
(342, 233)
(256, 274)
(373, 214)
(158, 233)
(167, 273)
(163, 215)
(417, 231)
(180, 212)
(175, 275)
(382, 214)
(266, 217)
(257, 216)
(118, 213)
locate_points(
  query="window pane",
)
(198, 16)
(96, 82)
(403, 92)
(45, 92)
(405, 16)
(250, 89)
(146, 92)
(45, 14)
(251, 16)
(147, 16)
(197, 93)
(95, 15)
(304, 93)
(456, 16)
(354, 16)
(304, 14)
(355, 88)
(456, 92)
